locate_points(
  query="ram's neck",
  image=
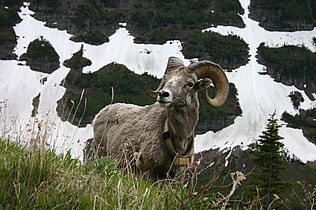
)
(181, 123)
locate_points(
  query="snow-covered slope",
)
(259, 95)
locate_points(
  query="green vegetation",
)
(184, 20)
(300, 176)
(304, 120)
(77, 62)
(157, 22)
(290, 64)
(268, 170)
(89, 20)
(8, 18)
(182, 15)
(145, 19)
(41, 56)
(40, 49)
(50, 5)
(128, 88)
(92, 37)
(7, 36)
(284, 15)
(229, 51)
(225, 13)
(266, 180)
(35, 178)
(12, 3)
(39, 179)
(296, 98)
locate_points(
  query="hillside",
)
(33, 178)
(299, 175)
(284, 15)
(150, 21)
(290, 65)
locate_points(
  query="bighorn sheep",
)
(158, 138)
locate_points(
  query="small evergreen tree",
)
(269, 164)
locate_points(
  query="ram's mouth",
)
(163, 103)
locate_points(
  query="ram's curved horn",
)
(173, 62)
(208, 69)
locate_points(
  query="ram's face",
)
(179, 85)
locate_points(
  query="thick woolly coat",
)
(121, 130)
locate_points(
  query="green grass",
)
(40, 179)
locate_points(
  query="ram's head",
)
(180, 82)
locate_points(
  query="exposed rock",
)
(240, 159)
(214, 123)
(77, 62)
(284, 15)
(219, 118)
(296, 98)
(8, 18)
(35, 103)
(310, 89)
(305, 120)
(290, 65)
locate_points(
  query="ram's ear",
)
(202, 84)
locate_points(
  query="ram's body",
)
(138, 136)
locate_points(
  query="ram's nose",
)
(164, 97)
(163, 94)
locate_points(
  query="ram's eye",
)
(190, 84)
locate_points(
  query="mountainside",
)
(149, 21)
(284, 15)
(50, 81)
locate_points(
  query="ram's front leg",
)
(139, 160)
